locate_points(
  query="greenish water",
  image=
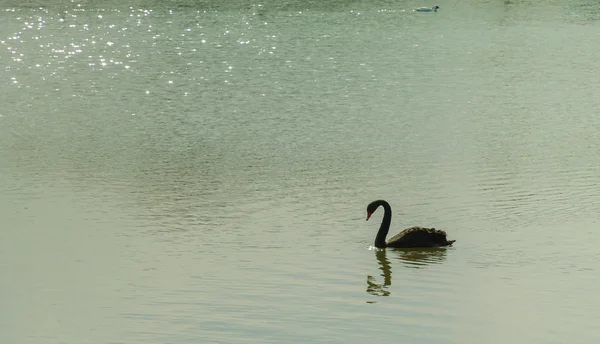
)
(198, 172)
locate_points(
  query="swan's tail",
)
(439, 237)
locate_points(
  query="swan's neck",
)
(385, 226)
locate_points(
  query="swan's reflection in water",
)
(419, 258)
(374, 288)
(416, 258)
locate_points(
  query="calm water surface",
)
(189, 172)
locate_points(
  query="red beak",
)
(369, 215)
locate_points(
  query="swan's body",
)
(428, 9)
(410, 237)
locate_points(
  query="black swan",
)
(410, 237)
(428, 9)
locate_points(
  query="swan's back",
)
(419, 237)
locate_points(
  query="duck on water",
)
(410, 237)
(428, 9)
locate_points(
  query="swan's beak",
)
(369, 215)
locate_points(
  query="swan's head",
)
(435, 8)
(371, 208)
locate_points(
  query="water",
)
(184, 172)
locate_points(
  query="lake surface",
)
(198, 172)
